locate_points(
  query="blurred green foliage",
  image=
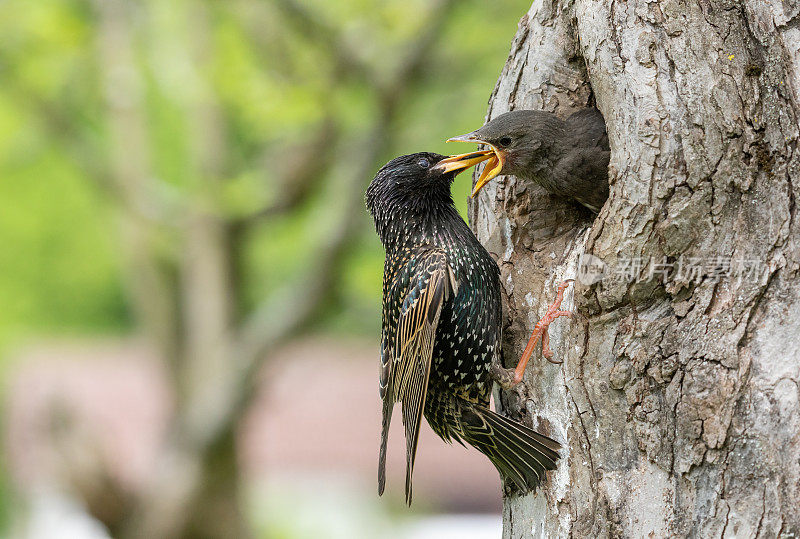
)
(61, 268)
(65, 262)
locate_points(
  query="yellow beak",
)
(493, 166)
(462, 161)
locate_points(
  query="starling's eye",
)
(505, 141)
(423, 162)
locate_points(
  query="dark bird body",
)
(568, 157)
(442, 324)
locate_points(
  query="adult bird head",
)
(519, 140)
(417, 180)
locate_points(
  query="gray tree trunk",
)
(681, 417)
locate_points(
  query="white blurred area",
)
(87, 419)
(335, 510)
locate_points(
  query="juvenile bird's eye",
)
(505, 141)
(423, 162)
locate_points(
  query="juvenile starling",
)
(568, 157)
(440, 342)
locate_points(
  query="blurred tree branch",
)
(186, 290)
(306, 166)
(206, 431)
(261, 331)
(309, 162)
(152, 290)
(344, 59)
(152, 203)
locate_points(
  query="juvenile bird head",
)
(519, 140)
(418, 181)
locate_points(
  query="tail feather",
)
(520, 454)
(387, 419)
(413, 401)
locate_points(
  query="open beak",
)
(462, 161)
(494, 164)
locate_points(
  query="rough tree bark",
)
(681, 417)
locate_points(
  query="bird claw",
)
(540, 331)
(510, 378)
(504, 377)
(546, 352)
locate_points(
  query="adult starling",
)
(568, 157)
(440, 342)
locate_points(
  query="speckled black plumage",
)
(442, 324)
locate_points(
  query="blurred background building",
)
(190, 284)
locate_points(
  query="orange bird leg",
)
(540, 330)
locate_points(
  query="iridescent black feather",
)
(442, 325)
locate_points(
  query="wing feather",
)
(406, 367)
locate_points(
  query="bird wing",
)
(587, 128)
(426, 281)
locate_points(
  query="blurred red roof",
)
(316, 414)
